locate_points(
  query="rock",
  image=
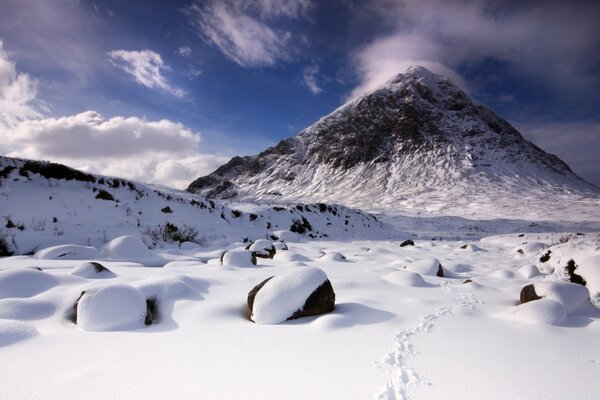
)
(427, 266)
(115, 307)
(295, 294)
(570, 295)
(407, 243)
(280, 246)
(67, 252)
(262, 248)
(528, 294)
(238, 258)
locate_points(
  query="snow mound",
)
(15, 331)
(285, 236)
(67, 252)
(544, 311)
(170, 287)
(571, 295)
(131, 248)
(92, 270)
(291, 256)
(406, 278)
(502, 274)
(25, 309)
(529, 248)
(177, 264)
(427, 266)
(279, 246)
(283, 295)
(189, 246)
(333, 256)
(529, 271)
(108, 308)
(25, 283)
(238, 258)
(589, 269)
(472, 248)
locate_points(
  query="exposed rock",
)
(528, 294)
(407, 243)
(262, 248)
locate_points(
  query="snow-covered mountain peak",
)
(417, 142)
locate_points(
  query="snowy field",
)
(398, 331)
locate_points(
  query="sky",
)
(166, 91)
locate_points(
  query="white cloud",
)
(146, 67)
(552, 40)
(17, 93)
(310, 79)
(241, 29)
(184, 52)
(154, 151)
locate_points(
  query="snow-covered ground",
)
(398, 331)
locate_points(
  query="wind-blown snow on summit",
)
(416, 143)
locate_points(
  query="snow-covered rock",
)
(262, 248)
(406, 278)
(114, 307)
(238, 258)
(25, 283)
(67, 252)
(297, 293)
(427, 266)
(589, 269)
(92, 270)
(570, 295)
(529, 271)
(333, 256)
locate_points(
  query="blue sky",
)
(166, 91)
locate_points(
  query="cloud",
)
(184, 52)
(576, 143)
(239, 29)
(18, 93)
(146, 67)
(156, 151)
(552, 40)
(310, 79)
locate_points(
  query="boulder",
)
(298, 293)
(262, 248)
(238, 258)
(570, 295)
(427, 266)
(407, 243)
(115, 307)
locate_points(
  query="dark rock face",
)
(267, 252)
(440, 271)
(546, 256)
(528, 294)
(407, 243)
(252, 293)
(573, 277)
(321, 301)
(99, 267)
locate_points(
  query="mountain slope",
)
(416, 143)
(44, 204)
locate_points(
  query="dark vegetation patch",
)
(573, 277)
(171, 233)
(104, 195)
(166, 210)
(57, 171)
(301, 226)
(252, 216)
(546, 257)
(236, 213)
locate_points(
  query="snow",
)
(285, 294)
(67, 252)
(570, 295)
(544, 311)
(426, 266)
(132, 249)
(114, 307)
(24, 283)
(239, 258)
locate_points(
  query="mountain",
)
(416, 144)
(44, 204)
